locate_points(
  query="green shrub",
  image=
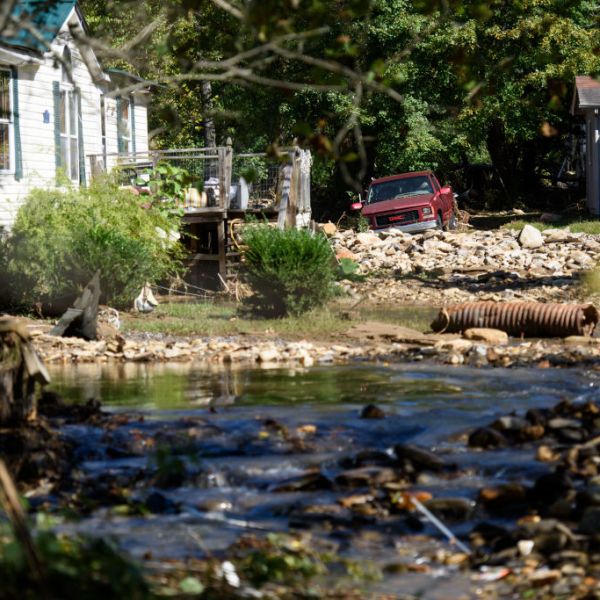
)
(60, 239)
(73, 568)
(290, 272)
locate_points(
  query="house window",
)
(124, 126)
(69, 144)
(5, 121)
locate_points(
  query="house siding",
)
(37, 137)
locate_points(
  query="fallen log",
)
(526, 319)
(81, 319)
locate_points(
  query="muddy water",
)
(248, 433)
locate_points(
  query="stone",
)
(420, 458)
(328, 228)
(268, 355)
(345, 253)
(366, 476)
(451, 508)
(530, 237)
(486, 437)
(372, 412)
(485, 334)
(544, 576)
(590, 521)
(369, 239)
(504, 498)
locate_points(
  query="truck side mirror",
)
(356, 206)
(446, 190)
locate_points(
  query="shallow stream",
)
(250, 442)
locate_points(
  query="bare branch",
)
(232, 10)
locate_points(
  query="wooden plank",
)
(292, 204)
(202, 256)
(284, 196)
(222, 249)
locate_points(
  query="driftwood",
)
(81, 319)
(20, 369)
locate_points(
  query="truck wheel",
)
(439, 222)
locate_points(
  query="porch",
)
(222, 188)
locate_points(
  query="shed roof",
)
(46, 16)
(587, 93)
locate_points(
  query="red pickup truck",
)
(411, 202)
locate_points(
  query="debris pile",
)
(466, 266)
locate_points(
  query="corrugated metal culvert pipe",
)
(528, 319)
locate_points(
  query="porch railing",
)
(222, 179)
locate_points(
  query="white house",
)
(57, 104)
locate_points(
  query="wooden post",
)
(222, 249)
(285, 195)
(292, 205)
(225, 154)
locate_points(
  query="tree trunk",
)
(210, 133)
(20, 368)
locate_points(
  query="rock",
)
(372, 412)
(543, 577)
(310, 480)
(485, 334)
(366, 477)
(268, 355)
(551, 487)
(369, 239)
(486, 437)
(458, 346)
(550, 218)
(328, 228)
(420, 458)
(509, 423)
(451, 508)
(557, 235)
(345, 253)
(590, 521)
(158, 503)
(531, 237)
(505, 498)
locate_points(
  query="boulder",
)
(328, 228)
(484, 334)
(368, 239)
(345, 253)
(531, 237)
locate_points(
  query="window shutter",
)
(56, 98)
(16, 125)
(132, 109)
(120, 145)
(80, 140)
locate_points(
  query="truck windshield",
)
(408, 186)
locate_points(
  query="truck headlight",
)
(427, 210)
